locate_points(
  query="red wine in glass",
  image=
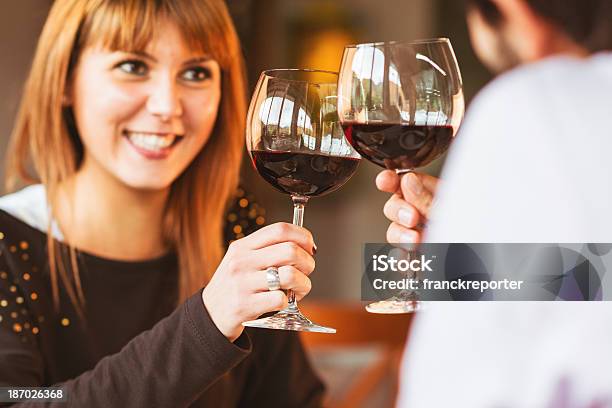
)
(399, 147)
(304, 174)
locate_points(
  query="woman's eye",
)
(196, 74)
(138, 68)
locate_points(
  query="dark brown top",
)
(137, 348)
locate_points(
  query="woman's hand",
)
(238, 291)
(408, 208)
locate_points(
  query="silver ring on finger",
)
(272, 278)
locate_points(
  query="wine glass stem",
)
(299, 202)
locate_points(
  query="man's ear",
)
(533, 36)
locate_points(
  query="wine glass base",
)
(288, 320)
(395, 305)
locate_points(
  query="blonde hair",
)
(46, 139)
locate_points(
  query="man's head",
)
(506, 33)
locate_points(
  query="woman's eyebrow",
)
(197, 60)
(142, 54)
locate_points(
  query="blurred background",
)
(304, 34)
(312, 34)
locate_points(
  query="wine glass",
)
(400, 105)
(298, 146)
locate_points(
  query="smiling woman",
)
(133, 119)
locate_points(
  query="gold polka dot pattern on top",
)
(244, 217)
(65, 322)
(34, 330)
(15, 289)
(1, 235)
(33, 296)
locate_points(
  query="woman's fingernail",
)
(414, 184)
(406, 238)
(314, 249)
(405, 216)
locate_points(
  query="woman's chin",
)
(147, 182)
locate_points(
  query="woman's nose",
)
(164, 100)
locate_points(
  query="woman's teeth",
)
(153, 142)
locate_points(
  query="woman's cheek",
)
(127, 98)
(203, 115)
(109, 105)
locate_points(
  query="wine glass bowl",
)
(400, 103)
(297, 144)
(294, 138)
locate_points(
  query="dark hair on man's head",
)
(588, 22)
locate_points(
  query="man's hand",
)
(408, 208)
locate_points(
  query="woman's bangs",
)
(129, 25)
